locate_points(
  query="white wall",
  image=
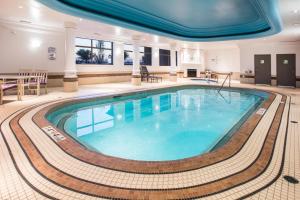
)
(191, 59)
(223, 60)
(249, 50)
(19, 49)
(17, 52)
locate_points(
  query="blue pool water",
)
(170, 125)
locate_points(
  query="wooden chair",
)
(212, 76)
(202, 75)
(43, 79)
(215, 77)
(25, 72)
(6, 85)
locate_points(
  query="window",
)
(94, 52)
(145, 55)
(164, 57)
(128, 54)
(165, 102)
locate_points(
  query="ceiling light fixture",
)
(20, 7)
(118, 30)
(80, 19)
(118, 51)
(296, 11)
(296, 24)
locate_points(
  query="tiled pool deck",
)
(251, 165)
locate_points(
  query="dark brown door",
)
(286, 70)
(262, 72)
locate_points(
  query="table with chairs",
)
(26, 79)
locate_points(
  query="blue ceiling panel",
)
(193, 20)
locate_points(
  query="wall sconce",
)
(35, 43)
(118, 51)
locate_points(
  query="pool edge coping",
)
(152, 167)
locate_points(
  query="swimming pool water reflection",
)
(167, 126)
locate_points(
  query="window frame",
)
(141, 52)
(92, 48)
(169, 57)
(131, 51)
(145, 54)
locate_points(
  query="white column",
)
(155, 57)
(136, 59)
(136, 74)
(173, 68)
(202, 60)
(119, 54)
(70, 77)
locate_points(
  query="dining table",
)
(21, 82)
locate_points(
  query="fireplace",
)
(191, 72)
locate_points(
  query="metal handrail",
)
(228, 76)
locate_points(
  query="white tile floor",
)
(13, 186)
(72, 166)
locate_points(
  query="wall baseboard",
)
(250, 79)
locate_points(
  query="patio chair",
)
(145, 75)
(43, 78)
(4, 86)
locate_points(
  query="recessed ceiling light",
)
(296, 11)
(20, 7)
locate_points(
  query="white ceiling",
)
(14, 11)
